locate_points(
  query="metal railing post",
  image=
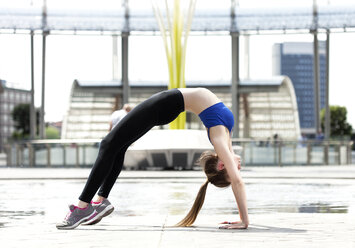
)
(64, 155)
(48, 155)
(84, 154)
(18, 155)
(326, 153)
(243, 153)
(309, 148)
(275, 154)
(77, 160)
(8, 151)
(348, 153)
(279, 153)
(30, 155)
(251, 152)
(294, 153)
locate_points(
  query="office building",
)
(10, 96)
(295, 60)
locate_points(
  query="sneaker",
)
(76, 216)
(103, 209)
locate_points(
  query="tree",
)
(338, 123)
(52, 133)
(21, 117)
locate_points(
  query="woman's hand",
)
(233, 225)
(238, 161)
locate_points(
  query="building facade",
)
(266, 107)
(9, 98)
(295, 60)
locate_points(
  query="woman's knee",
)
(104, 145)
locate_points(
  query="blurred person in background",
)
(118, 115)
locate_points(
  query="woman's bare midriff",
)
(198, 99)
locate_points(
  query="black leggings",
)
(159, 109)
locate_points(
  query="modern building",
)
(9, 97)
(266, 107)
(295, 60)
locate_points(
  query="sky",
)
(71, 57)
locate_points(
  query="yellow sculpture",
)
(175, 41)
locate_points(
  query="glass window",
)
(11, 96)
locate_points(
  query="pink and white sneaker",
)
(76, 216)
(103, 209)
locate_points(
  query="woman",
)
(222, 168)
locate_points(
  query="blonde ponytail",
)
(196, 207)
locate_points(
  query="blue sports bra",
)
(217, 114)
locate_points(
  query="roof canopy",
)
(143, 20)
(274, 81)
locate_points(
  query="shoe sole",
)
(93, 215)
(107, 211)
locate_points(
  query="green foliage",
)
(17, 135)
(338, 123)
(52, 133)
(21, 117)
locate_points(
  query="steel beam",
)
(316, 73)
(44, 37)
(42, 113)
(327, 110)
(125, 82)
(124, 55)
(32, 104)
(316, 82)
(235, 82)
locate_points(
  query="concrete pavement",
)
(34, 200)
(271, 230)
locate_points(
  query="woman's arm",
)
(220, 141)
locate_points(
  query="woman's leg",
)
(110, 180)
(159, 109)
(132, 126)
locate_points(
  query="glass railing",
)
(52, 153)
(279, 152)
(82, 153)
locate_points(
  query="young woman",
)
(222, 168)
